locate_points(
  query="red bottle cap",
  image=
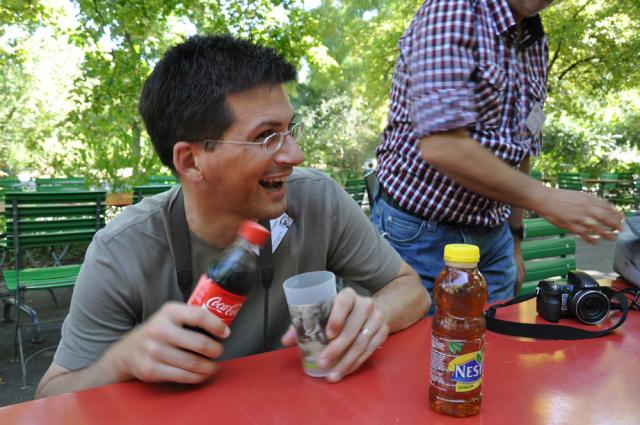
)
(253, 232)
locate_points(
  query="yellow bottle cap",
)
(461, 253)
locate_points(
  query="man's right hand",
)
(580, 213)
(161, 349)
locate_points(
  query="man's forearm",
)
(471, 165)
(404, 300)
(60, 380)
(517, 213)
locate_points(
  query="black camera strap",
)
(542, 331)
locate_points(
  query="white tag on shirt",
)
(279, 228)
(535, 120)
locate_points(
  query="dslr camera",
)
(581, 298)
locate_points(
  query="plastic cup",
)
(310, 298)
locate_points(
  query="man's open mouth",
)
(272, 184)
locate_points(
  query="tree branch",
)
(100, 18)
(556, 54)
(574, 65)
(580, 9)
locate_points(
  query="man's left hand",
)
(356, 327)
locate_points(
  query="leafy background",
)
(71, 73)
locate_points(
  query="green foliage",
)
(346, 52)
(593, 103)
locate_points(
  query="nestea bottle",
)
(457, 342)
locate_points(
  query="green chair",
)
(6, 185)
(46, 219)
(10, 184)
(162, 179)
(356, 188)
(548, 253)
(625, 194)
(141, 192)
(570, 181)
(536, 174)
(60, 184)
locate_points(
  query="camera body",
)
(581, 298)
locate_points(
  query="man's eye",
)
(263, 136)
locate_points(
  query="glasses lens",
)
(273, 142)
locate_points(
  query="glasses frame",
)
(296, 128)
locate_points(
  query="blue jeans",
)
(421, 244)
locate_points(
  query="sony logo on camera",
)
(581, 298)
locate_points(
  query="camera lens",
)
(590, 307)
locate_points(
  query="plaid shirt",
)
(461, 65)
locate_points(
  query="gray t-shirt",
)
(129, 270)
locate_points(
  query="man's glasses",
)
(271, 143)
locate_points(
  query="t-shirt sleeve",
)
(101, 309)
(437, 51)
(357, 252)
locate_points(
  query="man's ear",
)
(184, 159)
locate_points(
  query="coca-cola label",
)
(222, 303)
(220, 308)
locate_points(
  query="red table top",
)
(526, 381)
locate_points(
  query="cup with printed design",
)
(310, 298)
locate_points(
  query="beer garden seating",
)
(548, 252)
(45, 219)
(60, 184)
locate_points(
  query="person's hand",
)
(162, 349)
(520, 268)
(580, 213)
(356, 327)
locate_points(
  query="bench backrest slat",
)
(548, 252)
(53, 218)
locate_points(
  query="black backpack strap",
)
(181, 246)
(542, 331)
(266, 278)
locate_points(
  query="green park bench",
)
(162, 179)
(10, 184)
(570, 181)
(45, 219)
(141, 192)
(356, 189)
(60, 184)
(548, 252)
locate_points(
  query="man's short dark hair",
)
(184, 98)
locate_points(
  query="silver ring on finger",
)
(365, 331)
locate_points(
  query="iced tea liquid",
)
(457, 352)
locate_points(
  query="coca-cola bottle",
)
(223, 289)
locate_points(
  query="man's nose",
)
(290, 152)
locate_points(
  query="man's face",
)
(243, 180)
(528, 8)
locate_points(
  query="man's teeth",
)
(272, 183)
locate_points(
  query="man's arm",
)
(358, 325)
(161, 349)
(516, 222)
(404, 300)
(469, 164)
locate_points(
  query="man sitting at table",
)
(126, 319)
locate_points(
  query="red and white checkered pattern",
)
(461, 66)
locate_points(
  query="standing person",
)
(466, 114)
(218, 116)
